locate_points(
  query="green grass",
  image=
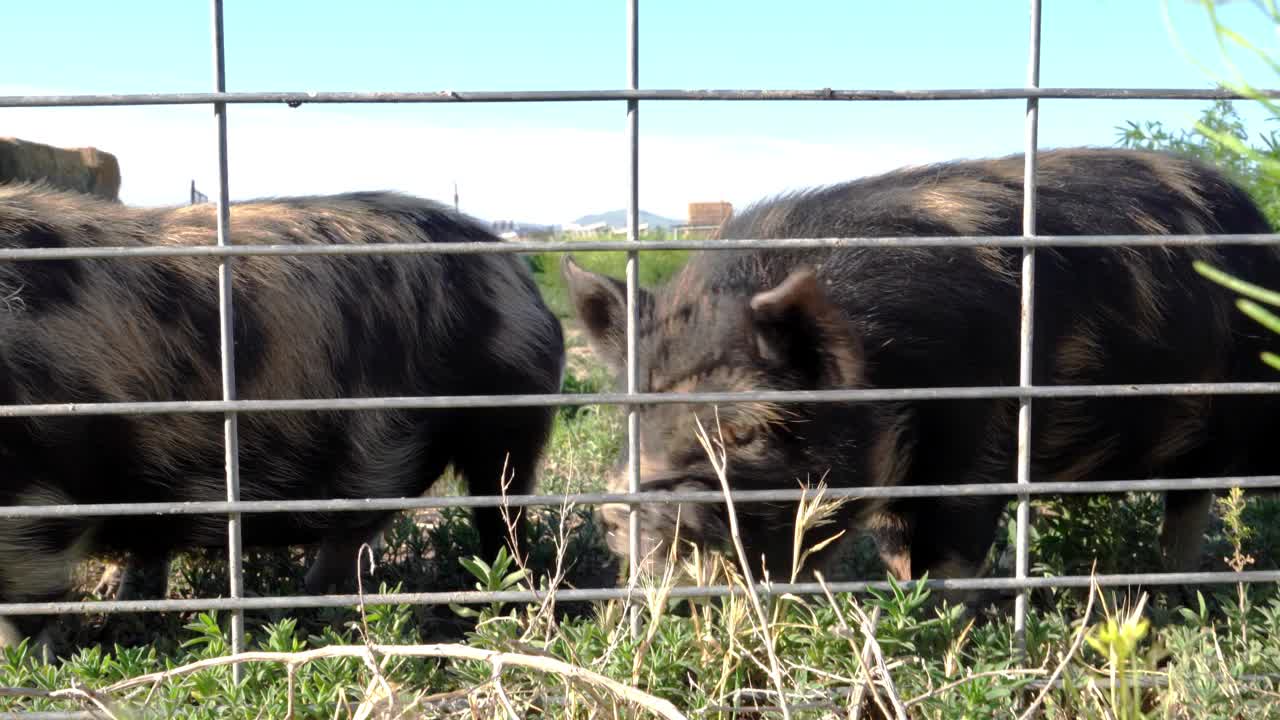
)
(656, 266)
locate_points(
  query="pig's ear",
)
(797, 327)
(599, 302)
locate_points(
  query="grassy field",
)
(654, 267)
(701, 656)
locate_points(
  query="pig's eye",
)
(735, 435)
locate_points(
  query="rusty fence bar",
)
(1026, 333)
(296, 98)
(235, 553)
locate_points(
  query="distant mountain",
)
(618, 218)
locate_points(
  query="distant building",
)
(709, 213)
(622, 229)
(591, 229)
(513, 230)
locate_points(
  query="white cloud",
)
(532, 174)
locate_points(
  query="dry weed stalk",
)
(369, 658)
(1094, 591)
(545, 615)
(810, 515)
(863, 656)
(868, 628)
(733, 615)
(865, 680)
(656, 597)
(369, 652)
(720, 465)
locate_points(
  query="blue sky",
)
(553, 162)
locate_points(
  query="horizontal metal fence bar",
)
(442, 402)
(513, 96)
(54, 715)
(1079, 487)
(514, 247)
(472, 597)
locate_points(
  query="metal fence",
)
(632, 95)
(197, 197)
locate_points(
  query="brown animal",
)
(816, 319)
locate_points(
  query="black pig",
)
(812, 319)
(82, 331)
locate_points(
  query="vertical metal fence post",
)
(1026, 335)
(633, 292)
(231, 430)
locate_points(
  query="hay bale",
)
(709, 213)
(87, 170)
